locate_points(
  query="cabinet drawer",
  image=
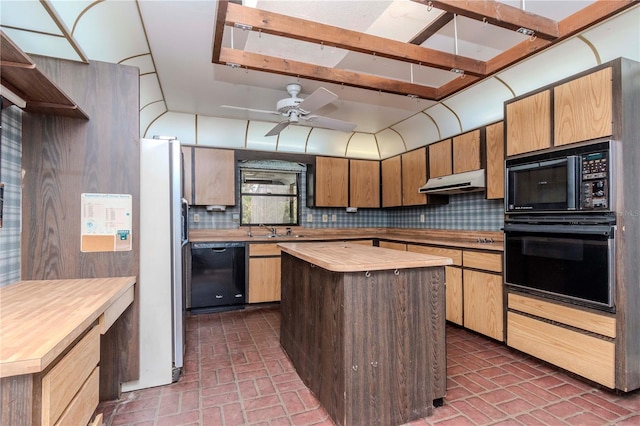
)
(61, 384)
(599, 324)
(478, 260)
(264, 250)
(456, 255)
(585, 355)
(81, 408)
(113, 312)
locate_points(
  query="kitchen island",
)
(365, 329)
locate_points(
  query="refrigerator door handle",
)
(185, 222)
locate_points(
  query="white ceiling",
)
(171, 42)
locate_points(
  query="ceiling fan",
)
(296, 109)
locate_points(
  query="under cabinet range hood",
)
(458, 183)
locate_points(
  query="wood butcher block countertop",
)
(475, 240)
(40, 319)
(349, 257)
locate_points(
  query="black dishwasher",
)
(217, 277)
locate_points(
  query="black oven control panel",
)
(594, 191)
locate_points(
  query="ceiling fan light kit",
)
(295, 109)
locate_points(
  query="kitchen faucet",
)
(272, 229)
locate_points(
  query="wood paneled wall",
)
(65, 157)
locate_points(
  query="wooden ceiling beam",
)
(432, 28)
(314, 32)
(498, 14)
(571, 25)
(258, 62)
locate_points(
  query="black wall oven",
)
(571, 261)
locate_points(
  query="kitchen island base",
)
(369, 344)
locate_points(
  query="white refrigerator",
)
(163, 235)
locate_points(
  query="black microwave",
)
(576, 179)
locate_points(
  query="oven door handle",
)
(601, 230)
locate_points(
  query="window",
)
(269, 197)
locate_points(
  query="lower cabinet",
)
(577, 340)
(483, 307)
(70, 389)
(474, 290)
(264, 273)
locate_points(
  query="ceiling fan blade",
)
(317, 99)
(330, 123)
(262, 111)
(278, 128)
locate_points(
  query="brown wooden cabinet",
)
(264, 273)
(528, 122)
(364, 183)
(440, 159)
(330, 182)
(575, 339)
(483, 306)
(414, 175)
(453, 279)
(495, 160)
(391, 169)
(583, 108)
(466, 152)
(209, 176)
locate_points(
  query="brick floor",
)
(236, 374)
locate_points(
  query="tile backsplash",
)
(465, 211)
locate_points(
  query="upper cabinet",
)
(528, 123)
(457, 155)
(466, 152)
(364, 183)
(391, 170)
(495, 160)
(414, 175)
(583, 108)
(211, 180)
(328, 182)
(440, 159)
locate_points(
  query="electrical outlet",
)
(422, 218)
(196, 217)
(309, 217)
(334, 217)
(325, 218)
(236, 218)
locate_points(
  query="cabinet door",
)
(332, 180)
(187, 173)
(483, 303)
(440, 159)
(495, 160)
(264, 279)
(466, 152)
(392, 182)
(214, 177)
(364, 183)
(414, 175)
(264, 273)
(529, 123)
(453, 287)
(583, 108)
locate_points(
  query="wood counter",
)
(364, 328)
(349, 257)
(50, 347)
(40, 319)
